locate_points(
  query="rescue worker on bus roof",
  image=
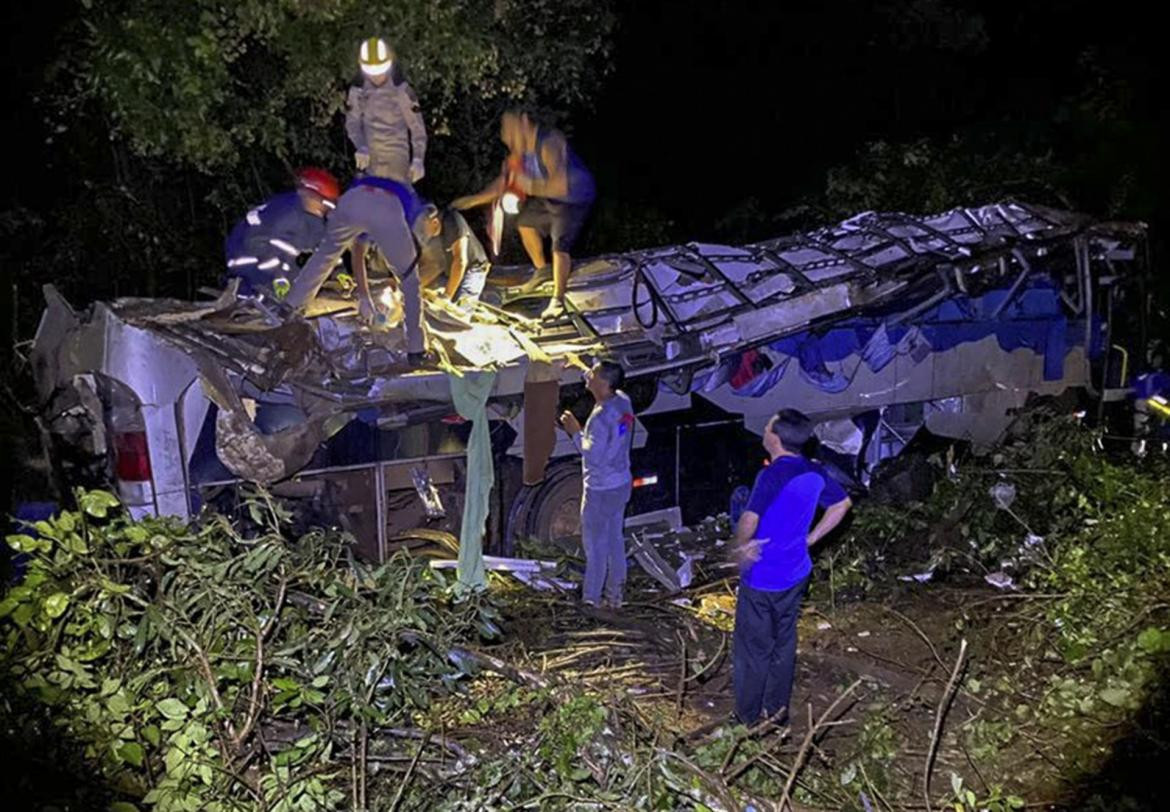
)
(447, 246)
(389, 214)
(383, 119)
(262, 250)
(557, 190)
(459, 254)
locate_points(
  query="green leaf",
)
(74, 543)
(132, 753)
(122, 806)
(7, 605)
(23, 544)
(1117, 697)
(118, 705)
(172, 708)
(113, 588)
(1154, 640)
(98, 503)
(22, 614)
(152, 735)
(56, 604)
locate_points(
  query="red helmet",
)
(320, 181)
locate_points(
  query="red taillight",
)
(132, 460)
(643, 481)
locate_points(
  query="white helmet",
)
(375, 56)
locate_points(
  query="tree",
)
(246, 86)
(164, 120)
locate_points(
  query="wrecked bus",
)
(876, 327)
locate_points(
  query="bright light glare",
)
(511, 202)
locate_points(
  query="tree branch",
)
(943, 705)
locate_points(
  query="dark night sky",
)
(711, 103)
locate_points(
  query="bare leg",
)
(534, 245)
(562, 267)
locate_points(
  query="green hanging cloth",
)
(470, 393)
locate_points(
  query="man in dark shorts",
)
(558, 191)
(772, 543)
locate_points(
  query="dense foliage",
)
(200, 670)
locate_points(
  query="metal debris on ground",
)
(1003, 493)
(1000, 580)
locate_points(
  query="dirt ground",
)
(900, 646)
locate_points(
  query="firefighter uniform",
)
(264, 246)
(386, 127)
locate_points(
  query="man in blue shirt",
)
(772, 543)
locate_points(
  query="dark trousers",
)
(764, 660)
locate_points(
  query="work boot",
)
(555, 309)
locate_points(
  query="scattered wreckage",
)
(875, 327)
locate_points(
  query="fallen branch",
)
(713, 785)
(490, 663)
(808, 740)
(943, 705)
(254, 702)
(402, 785)
(873, 789)
(742, 768)
(755, 730)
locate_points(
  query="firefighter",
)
(557, 191)
(386, 213)
(262, 250)
(383, 119)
